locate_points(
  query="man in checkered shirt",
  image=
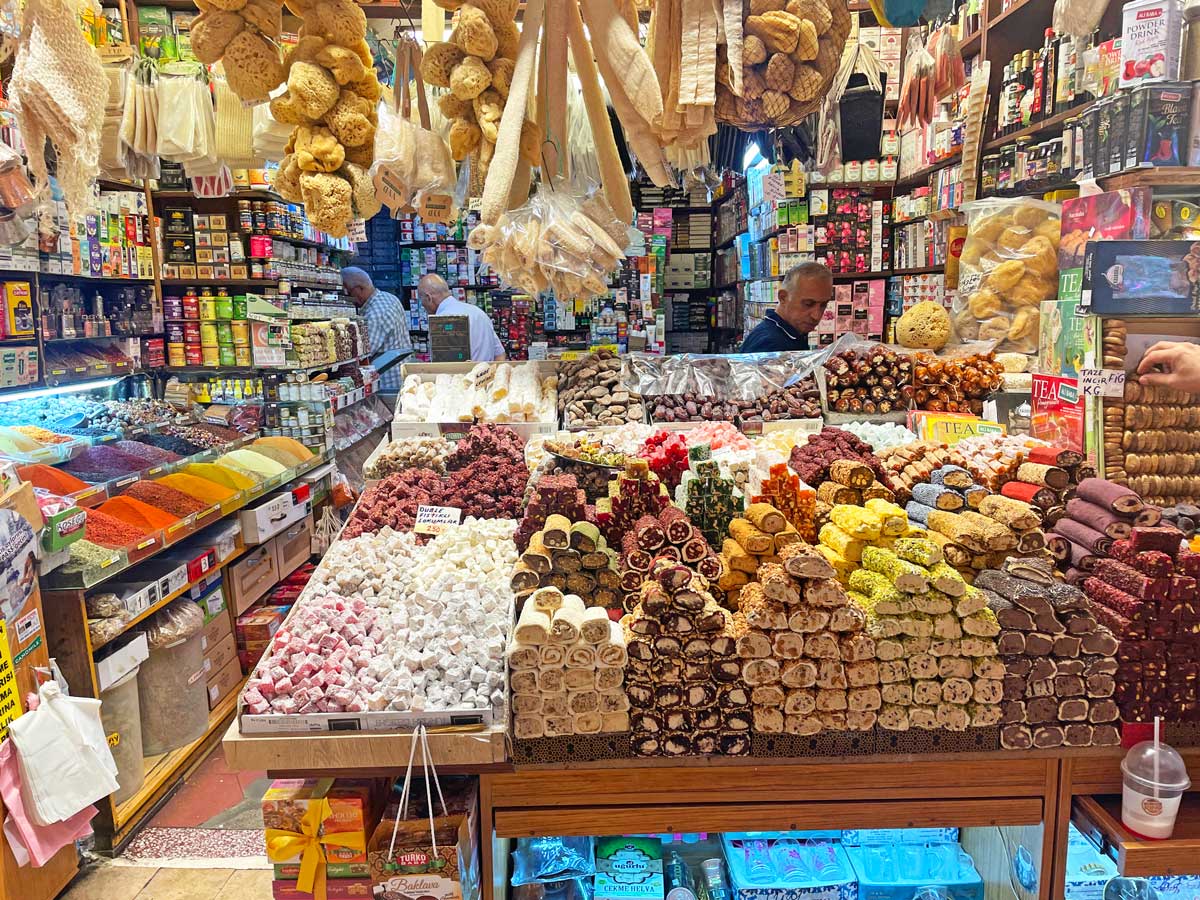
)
(387, 322)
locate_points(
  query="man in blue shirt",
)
(387, 322)
(438, 301)
(803, 294)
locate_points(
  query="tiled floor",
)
(204, 844)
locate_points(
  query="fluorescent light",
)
(61, 389)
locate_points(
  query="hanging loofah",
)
(54, 97)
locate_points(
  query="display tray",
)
(613, 746)
(377, 722)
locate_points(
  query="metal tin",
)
(210, 356)
(176, 356)
(240, 332)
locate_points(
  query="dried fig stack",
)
(790, 52)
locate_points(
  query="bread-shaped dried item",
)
(780, 72)
(808, 44)
(286, 180)
(439, 61)
(317, 150)
(779, 31)
(498, 185)
(775, 105)
(464, 138)
(612, 173)
(754, 51)
(211, 33)
(350, 120)
(502, 70)
(313, 89)
(807, 83)
(362, 191)
(470, 78)
(532, 139)
(473, 33)
(814, 11)
(926, 326)
(265, 16)
(327, 201)
(252, 67)
(340, 22)
(632, 85)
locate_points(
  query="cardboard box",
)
(1141, 278)
(121, 660)
(412, 869)
(352, 806)
(224, 683)
(218, 656)
(335, 889)
(628, 868)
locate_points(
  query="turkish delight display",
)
(683, 676)
(388, 624)
(489, 392)
(567, 669)
(1059, 661)
(867, 379)
(671, 537)
(571, 557)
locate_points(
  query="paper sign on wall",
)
(436, 519)
(10, 696)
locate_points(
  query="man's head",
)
(432, 289)
(804, 293)
(358, 284)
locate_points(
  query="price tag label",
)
(436, 519)
(438, 208)
(1102, 382)
(356, 231)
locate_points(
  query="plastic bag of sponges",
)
(565, 241)
(1009, 265)
(410, 161)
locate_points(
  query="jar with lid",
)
(1021, 164)
(1067, 163)
(245, 217)
(1054, 168)
(991, 168)
(1004, 175)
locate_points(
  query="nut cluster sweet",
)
(590, 393)
(867, 381)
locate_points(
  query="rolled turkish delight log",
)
(595, 627)
(1046, 737)
(1099, 518)
(523, 658)
(1054, 456)
(1114, 497)
(952, 476)
(710, 567)
(1095, 542)
(894, 718)
(918, 512)
(584, 537)
(1016, 737)
(919, 551)
(554, 703)
(556, 534)
(859, 523)
(766, 517)
(737, 558)
(768, 721)
(923, 717)
(1149, 516)
(841, 543)
(1016, 514)
(1034, 494)
(1045, 476)
(803, 561)
(749, 537)
(1054, 515)
(537, 555)
(851, 473)
(857, 647)
(777, 585)
(937, 496)
(833, 494)
(528, 727)
(581, 656)
(546, 600)
(533, 627)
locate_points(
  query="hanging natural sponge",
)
(286, 180)
(350, 120)
(469, 79)
(502, 73)
(252, 67)
(211, 33)
(343, 64)
(464, 138)
(317, 150)
(328, 201)
(338, 21)
(263, 15)
(362, 191)
(313, 88)
(531, 142)
(453, 108)
(286, 110)
(507, 38)
(439, 61)
(474, 33)
(498, 11)
(488, 110)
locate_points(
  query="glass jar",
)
(1067, 163)
(1004, 175)
(1053, 167)
(1021, 164)
(991, 168)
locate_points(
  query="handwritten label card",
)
(436, 519)
(1102, 382)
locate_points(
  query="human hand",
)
(1172, 364)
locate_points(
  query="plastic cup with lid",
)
(1154, 779)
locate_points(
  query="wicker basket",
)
(751, 115)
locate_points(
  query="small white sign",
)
(436, 519)
(1102, 382)
(356, 231)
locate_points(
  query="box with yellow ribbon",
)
(316, 830)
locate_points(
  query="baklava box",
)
(1142, 278)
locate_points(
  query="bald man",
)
(387, 321)
(803, 294)
(438, 301)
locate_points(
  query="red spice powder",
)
(51, 479)
(109, 531)
(164, 497)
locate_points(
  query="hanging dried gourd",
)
(790, 52)
(331, 97)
